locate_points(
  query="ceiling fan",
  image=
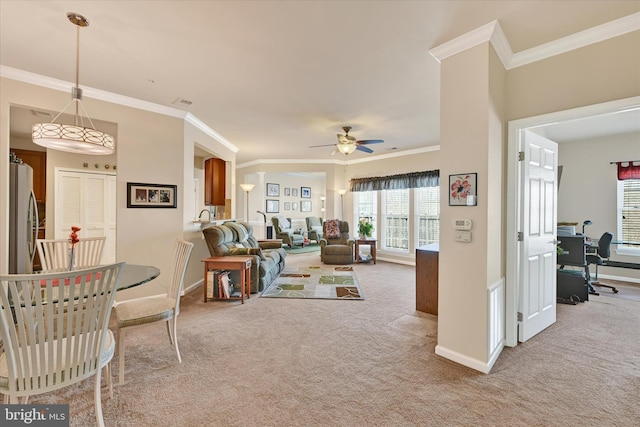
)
(347, 144)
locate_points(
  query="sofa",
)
(236, 238)
(283, 228)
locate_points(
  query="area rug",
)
(300, 250)
(318, 282)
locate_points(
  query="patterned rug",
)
(314, 247)
(320, 282)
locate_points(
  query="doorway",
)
(516, 133)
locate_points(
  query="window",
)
(427, 215)
(396, 219)
(629, 215)
(366, 206)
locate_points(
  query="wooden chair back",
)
(54, 253)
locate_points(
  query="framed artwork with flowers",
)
(463, 189)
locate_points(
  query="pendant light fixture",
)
(74, 138)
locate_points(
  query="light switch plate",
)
(463, 236)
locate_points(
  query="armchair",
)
(336, 247)
(314, 228)
(284, 230)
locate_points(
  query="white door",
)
(537, 302)
(87, 200)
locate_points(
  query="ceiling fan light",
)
(346, 149)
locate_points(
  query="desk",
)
(238, 263)
(427, 278)
(372, 245)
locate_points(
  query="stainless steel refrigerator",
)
(23, 219)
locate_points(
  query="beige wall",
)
(588, 188)
(594, 74)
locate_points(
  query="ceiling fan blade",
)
(335, 150)
(324, 145)
(370, 141)
(365, 149)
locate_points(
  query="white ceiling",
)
(275, 77)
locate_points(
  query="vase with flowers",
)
(73, 239)
(364, 228)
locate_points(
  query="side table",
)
(372, 245)
(237, 263)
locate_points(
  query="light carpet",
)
(319, 282)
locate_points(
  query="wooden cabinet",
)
(38, 162)
(214, 182)
(427, 278)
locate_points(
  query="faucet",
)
(204, 210)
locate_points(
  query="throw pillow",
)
(248, 251)
(333, 228)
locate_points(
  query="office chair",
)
(601, 257)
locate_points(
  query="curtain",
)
(397, 182)
(630, 171)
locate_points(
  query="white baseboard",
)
(464, 360)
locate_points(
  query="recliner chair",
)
(284, 230)
(314, 228)
(600, 258)
(338, 248)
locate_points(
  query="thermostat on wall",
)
(462, 224)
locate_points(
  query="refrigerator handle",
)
(33, 216)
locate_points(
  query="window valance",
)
(397, 182)
(628, 170)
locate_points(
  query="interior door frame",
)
(515, 139)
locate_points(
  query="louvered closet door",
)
(87, 200)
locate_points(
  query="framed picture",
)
(287, 206)
(273, 206)
(273, 190)
(287, 192)
(305, 192)
(294, 206)
(151, 195)
(463, 189)
(294, 192)
(305, 206)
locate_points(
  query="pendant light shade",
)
(76, 138)
(346, 149)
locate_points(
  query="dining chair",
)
(50, 343)
(142, 311)
(54, 253)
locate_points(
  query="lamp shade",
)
(346, 148)
(247, 187)
(72, 139)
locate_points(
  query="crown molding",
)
(341, 162)
(575, 41)
(492, 32)
(466, 41)
(127, 101)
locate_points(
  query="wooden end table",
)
(372, 245)
(236, 263)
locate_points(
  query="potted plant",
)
(364, 228)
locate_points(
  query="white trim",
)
(466, 41)
(575, 41)
(463, 360)
(618, 278)
(492, 32)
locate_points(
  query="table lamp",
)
(584, 224)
